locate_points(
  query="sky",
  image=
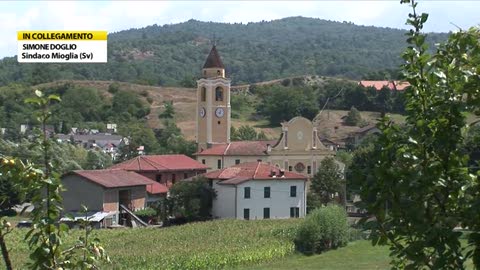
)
(114, 16)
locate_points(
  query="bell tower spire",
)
(213, 103)
(213, 66)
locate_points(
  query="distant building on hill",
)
(108, 143)
(359, 135)
(257, 190)
(392, 85)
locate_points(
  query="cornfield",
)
(204, 245)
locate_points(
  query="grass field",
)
(358, 255)
(223, 244)
(206, 245)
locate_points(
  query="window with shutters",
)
(266, 213)
(266, 192)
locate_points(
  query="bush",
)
(146, 212)
(323, 229)
(144, 93)
(113, 88)
(353, 117)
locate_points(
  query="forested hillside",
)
(254, 52)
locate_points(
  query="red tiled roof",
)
(241, 148)
(213, 59)
(401, 85)
(156, 188)
(251, 171)
(215, 150)
(114, 178)
(160, 163)
(392, 85)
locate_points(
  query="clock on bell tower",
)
(213, 103)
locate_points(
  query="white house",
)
(256, 190)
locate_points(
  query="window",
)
(174, 177)
(204, 94)
(219, 164)
(203, 161)
(246, 213)
(289, 168)
(219, 73)
(266, 192)
(158, 178)
(314, 139)
(185, 175)
(218, 94)
(293, 191)
(266, 213)
(237, 161)
(309, 169)
(246, 192)
(294, 212)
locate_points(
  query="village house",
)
(359, 135)
(258, 190)
(392, 85)
(164, 169)
(107, 192)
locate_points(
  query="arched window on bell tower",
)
(218, 94)
(204, 94)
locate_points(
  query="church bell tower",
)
(213, 103)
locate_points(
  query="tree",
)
(171, 140)
(96, 160)
(193, 199)
(48, 250)
(169, 111)
(283, 103)
(328, 180)
(246, 133)
(353, 117)
(418, 187)
(384, 101)
(9, 194)
(128, 102)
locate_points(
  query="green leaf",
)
(54, 97)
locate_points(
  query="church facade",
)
(298, 149)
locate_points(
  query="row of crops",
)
(205, 245)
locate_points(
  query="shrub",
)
(113, 88)
(146, 212)
(323, 229)
(286, 82)
(144, 93)
(353, 117)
